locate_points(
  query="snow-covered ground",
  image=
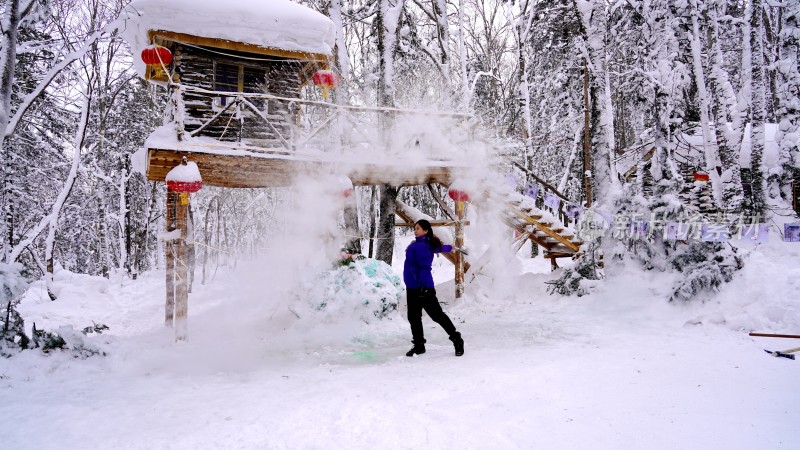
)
(620, 368)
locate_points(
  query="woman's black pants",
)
(425, 299)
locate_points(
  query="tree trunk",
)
(603, 174)
(755, 205)
(788, 135)
(353, 238)
(8, 63)
(372, 220)
(723, 105)
(385, 246)
(700, 82)
(386, 22)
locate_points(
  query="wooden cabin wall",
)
(196, 67)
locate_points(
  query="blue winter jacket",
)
(417, 267)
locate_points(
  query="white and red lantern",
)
(184, 187)
(344, 187)
(184, 179)
(326, 79)
(155, 55)
(457, 192)
(701, 176)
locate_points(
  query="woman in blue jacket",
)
(420, 290)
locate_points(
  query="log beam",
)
(280, 169)
(434, 223)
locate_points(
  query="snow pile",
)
(279, 24)
(364, 289)
(12, 282)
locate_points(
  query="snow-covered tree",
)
(754, 89)
(788, 112)
(727, 124)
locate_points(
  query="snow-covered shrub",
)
(68, 339)
(12, 327)
(365, 288)
(12, 330)
(12, 282)
(95, 328)
(586, 268)
(705, 265)
(629, 237)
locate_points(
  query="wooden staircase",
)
(540, 226)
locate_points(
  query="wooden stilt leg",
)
(190, 248)
(461, 208)
(553, 264)
(181, 270)
(169, 313)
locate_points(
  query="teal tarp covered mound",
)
(364, 288)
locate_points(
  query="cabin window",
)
(238, 78)
(226, 78)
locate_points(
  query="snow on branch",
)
(53, 73)
(52, 218)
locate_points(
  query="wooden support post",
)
(461, 208)
(181, 268)
(190, 249)
(169, 313)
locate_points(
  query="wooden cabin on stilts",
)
(235, 73)
(236, 119)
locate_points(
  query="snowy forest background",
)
(73, 111)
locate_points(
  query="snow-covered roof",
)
(277, 24)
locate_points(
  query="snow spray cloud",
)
(305, 241)
(419, 142)
(495, 269)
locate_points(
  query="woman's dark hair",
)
(433, 241)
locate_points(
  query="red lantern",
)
(701, 176)
(326, 79)
(184, 187)
(458, 195)
(156, 55)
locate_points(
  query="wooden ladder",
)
(541, 227)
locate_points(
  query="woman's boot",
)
(417, 349)
(458, 343)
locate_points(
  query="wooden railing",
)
(268, 123)
(545, 189)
